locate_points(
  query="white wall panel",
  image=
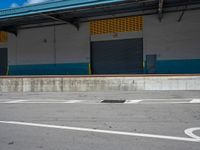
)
(171, 39)
(36, 46)
(72, 45)
(12, 49)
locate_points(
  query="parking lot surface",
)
(74, 121)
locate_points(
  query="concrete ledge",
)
(98, 83)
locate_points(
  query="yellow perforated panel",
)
(126, 24)
(3, 36)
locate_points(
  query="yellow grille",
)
(3, 36)
(126, 24)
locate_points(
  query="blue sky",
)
(16, 3)
(8, 3)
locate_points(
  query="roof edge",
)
(45, 7)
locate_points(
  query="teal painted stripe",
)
(184, 66)
(162, 67)
(50, 69)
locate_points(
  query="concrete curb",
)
(89, 84)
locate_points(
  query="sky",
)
(16, 3)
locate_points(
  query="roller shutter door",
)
(117, 56)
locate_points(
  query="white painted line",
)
(165, 102)
(141, 101)
(42, 102)
(73, 101)
(103, 131)
(132, 101)
(168, 99)
(195, 101)
(16, 101)
(82, 102)
(46, 100)
(190, 133)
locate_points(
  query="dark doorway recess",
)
(3, 61)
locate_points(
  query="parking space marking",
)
(132, 101)
(168, 99)
(40, 102)
(74, 101)
(183, 102)
(195, 101)
(191, 139)
(16, 101)
(96, 101)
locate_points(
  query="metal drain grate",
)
(113, 101)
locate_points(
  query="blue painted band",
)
(50, 69)
(183, 66)
(178, 66)
(162, 67)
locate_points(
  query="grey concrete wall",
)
(87, 84)
(170, 39)
(38, 45)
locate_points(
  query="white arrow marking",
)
(190, 133)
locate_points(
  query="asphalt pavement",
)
(80, 121)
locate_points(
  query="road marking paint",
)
(132, 101)
(46, 100)
(168, 99)
(141, 101)
(96, 103)
(16, 101)
(190, 133)
(165, 102)
(73, 101)
(103, 131)
(43, 102)
(195, 101)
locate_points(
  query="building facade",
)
(123, 43)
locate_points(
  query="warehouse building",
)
(83, 37)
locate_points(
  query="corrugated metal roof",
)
(52, 6)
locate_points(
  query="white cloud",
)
(28, 2)
(14, 5)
